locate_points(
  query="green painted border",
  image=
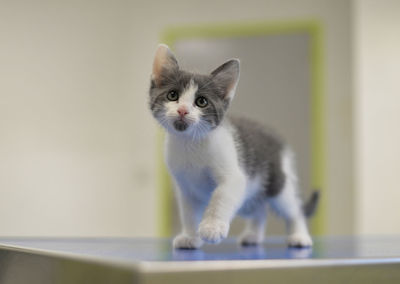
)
(318, 179)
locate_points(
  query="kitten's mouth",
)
(180, 125)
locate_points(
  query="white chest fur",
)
(199, 166)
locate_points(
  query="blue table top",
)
(127, 261)
(134, 250)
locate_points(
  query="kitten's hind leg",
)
(254, 231)
(288, 205)
(298, 235)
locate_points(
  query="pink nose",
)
(183, 111)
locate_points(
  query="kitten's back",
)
(260, 152)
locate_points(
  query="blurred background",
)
(79, 150)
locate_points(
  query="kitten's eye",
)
(172, 95)
(201, 102)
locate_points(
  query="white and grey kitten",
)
(222, 166)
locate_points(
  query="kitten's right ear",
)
(227, 77)
(164, 61)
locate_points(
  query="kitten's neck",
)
(188, 140)
(192, 140)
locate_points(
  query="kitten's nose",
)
(183, 111)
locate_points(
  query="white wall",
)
(74, 127)
(77, 143)
(377, 115)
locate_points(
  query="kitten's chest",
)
(191, 166)
(198, 183)
(187, 158)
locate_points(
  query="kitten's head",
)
(190, 104)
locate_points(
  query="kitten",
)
(222, 166)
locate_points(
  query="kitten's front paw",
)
(184, 241)
(213, 230)
(300, 240)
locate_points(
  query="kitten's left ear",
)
(164, 61)
(227, 77)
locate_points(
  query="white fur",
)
(188, 95)
(186, 100)
(288, 204)
(200, 166)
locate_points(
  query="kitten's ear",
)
(164, 61)
(227, 77)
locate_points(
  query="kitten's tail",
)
(310, 206)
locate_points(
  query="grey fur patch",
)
(260, 153)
